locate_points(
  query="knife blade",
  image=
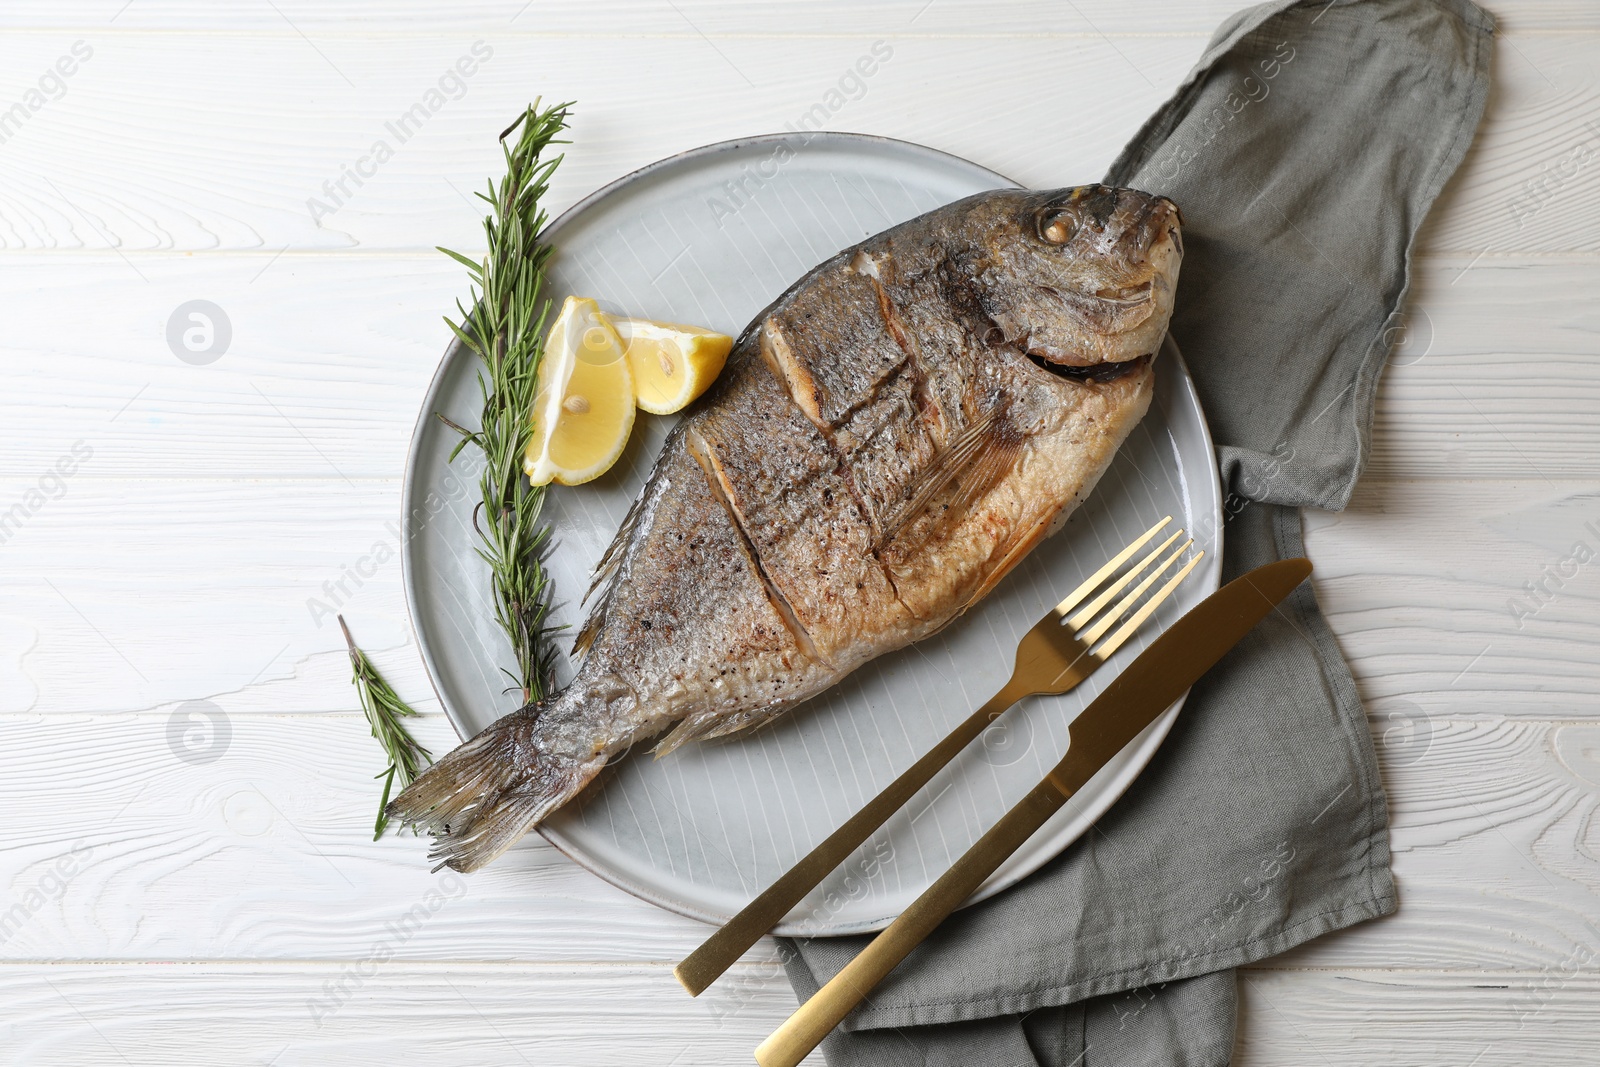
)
(1162, 672)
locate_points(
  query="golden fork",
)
(1053, 657)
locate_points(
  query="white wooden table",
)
(170, 528)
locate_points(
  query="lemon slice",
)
(583, 404)
(671, 364)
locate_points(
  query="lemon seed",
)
(576, 404)
(666, 364)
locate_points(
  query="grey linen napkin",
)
(1304, 149)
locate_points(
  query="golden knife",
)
(1168, 666)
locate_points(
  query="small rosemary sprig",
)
(505, 328)
(384, 710)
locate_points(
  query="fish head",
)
(1080, 276)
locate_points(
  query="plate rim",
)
(455, 350)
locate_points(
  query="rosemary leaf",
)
(384, 710)
(505, 329)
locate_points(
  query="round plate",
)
(711, 237)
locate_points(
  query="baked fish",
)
(888, 440)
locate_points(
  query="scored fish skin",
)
(887, 441)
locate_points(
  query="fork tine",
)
(1078, 621)
(1109, 619)
(1094, 580)
(1115, 641)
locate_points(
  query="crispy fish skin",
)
(888, 440)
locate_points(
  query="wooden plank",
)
(367, 1013)
(253, 840)
(285, 120)
(1492, 827)
(1427, 586)
(259, 166)
(184, 841)
(1294, 1019)
(331, 355)
(711, 17)
(323, 377)
(223, 590)
(78, 1016)
(1478, 389)
(1537, 148)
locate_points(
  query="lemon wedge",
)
(671, 364)
(583, 403)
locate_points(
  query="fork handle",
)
(722, 949)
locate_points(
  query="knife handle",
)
(813, 1020)
(722, 949)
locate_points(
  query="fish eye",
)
(1056, 226)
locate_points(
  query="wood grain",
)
(1423, 1019)
(1426, 585)
(466, 1016)
(210, 589)
(1489, 343)
(712, 17)
(264, 852)
(380, 1014)
(282, 115)
(685, 18)
(1494, 832)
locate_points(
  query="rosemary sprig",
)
(384, 710)
(506, 328)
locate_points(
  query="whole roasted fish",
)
(889, 439)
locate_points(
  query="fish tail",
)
(480, 799)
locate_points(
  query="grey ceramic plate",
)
(711, 237)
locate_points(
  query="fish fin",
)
(999, 458)
(707, 725)
(946, 465)
(977, 457)
(480, 799)
(604, 580)
(1015, 553)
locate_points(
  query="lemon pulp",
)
(671, 364)
(583, 405)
